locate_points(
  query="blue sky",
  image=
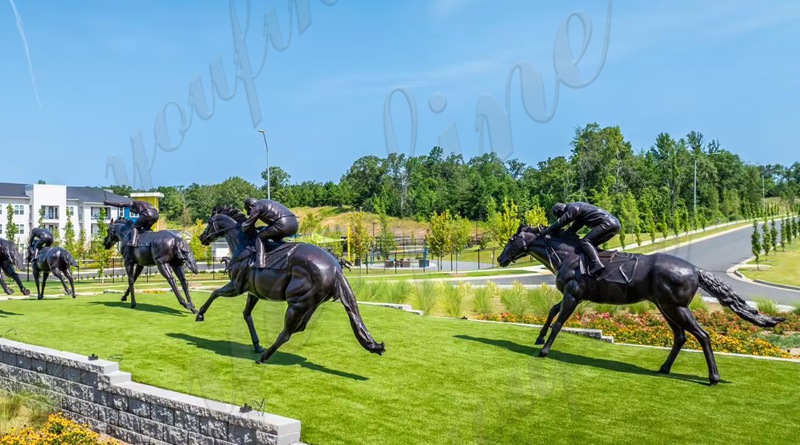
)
(93, 74)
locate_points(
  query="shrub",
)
(610, 309)
(399, 292)
(454, 298)
(698, 304)
(482, 300)
(542, 299)
(767, 306)
(57, 430)
(796, 309)
(515, 300)
(25, 408)
(425, 296)
(641, 307)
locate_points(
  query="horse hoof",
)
(259, 350)
(9, 292)
(259, 362)
(539, 341)
(25, 292)
(713, 381)
(124, 299)
(542, 354)
(201, 317)
(133, 306)
(39, 297)
(662, 371)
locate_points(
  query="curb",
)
(734, 273)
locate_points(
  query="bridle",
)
(212, 224)
(551, 252)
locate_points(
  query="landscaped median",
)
(779, 267)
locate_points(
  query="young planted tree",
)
(783, 235)
(459, 235)
(439, 236)
(82, 245)
(40, 223)
(56, 236)
(503, 225)
(11, 227)
(755, 243)
(386, 237)
(98, 251)
(536, 216)
(766, 240)
(361, 240)
(69, 235)
(650, 224)
(198, 249)
(774, 236)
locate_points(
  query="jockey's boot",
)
(134, 239)
(259, 261)
(594, 266)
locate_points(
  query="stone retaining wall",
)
(98, 393)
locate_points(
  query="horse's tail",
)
(344, 292)
(728, 298)
(67, 255)
(185, 254)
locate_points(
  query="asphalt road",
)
(715, 255)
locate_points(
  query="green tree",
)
(360, 239)
(536, 216)
(81, 246)
(504, 224)
(650, 225)
(11, 227)
(98, 251)
(766, 241)
(386, 237)
(56, 236)
(783, 235)
(40, 223)
(755, 243)
(439, 235)
(198, 249)
(774, 236)
(310, 224)
(459, 235)
(69, 235)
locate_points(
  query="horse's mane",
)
(126, 221)
(231, 212)
(563, 235)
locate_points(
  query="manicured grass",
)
(784, 267)
(440, 381)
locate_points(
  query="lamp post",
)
(269, 195)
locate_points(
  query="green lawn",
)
(784, 267)
(440, 381)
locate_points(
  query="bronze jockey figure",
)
(280, 221)
(602, 227)
(39, 239)
(148, 216)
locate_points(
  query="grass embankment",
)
(780, 267)
(22, 410)
(441, 380)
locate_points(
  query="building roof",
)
(8, 190)
(92, 194)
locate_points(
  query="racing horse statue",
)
(10, 257)
(303, 275)
(665, 280)
(165, 250)
(55, 260)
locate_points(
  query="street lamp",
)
(269, 195)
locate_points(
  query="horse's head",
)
(517, 246)
(111, 235)
(31, 251)
(218, 224)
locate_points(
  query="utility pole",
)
(695, 193)
(269, 195)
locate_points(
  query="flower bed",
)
(729, 333)
(58, 430)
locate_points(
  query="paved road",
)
(716, 255)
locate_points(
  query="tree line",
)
(651, 190)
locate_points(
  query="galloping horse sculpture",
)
(10, 257)
(55, 260)
(165, 250)
(311, 276)
(667, 281)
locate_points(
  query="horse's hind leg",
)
(15, 276)
(550, 316)
(3, 284)
(166, 271)
(68, 274)
(295, 315)
(57, 272)
(248, 318)
(133, 271)
(684, 317)
(179, 271)
(668, 311)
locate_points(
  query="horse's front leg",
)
(133, 271)
(550, 316)
(15, 276)
(229, 290)
(568, 305)
(3, 283)
(248, 318)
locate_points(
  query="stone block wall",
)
(98, 393)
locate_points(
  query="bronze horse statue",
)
(665, 280)
(165, 250)
(55, 260)
(311, 276)
(10, 257)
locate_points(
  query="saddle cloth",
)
(620, 266)
(277, 255)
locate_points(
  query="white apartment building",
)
(82, 203)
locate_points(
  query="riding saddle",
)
(620, 266)
(276, 255)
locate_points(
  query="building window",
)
(51, 212)
(1, 229)
(21, 229)
(19, 209)
(96, 213)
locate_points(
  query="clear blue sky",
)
(104, 70)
